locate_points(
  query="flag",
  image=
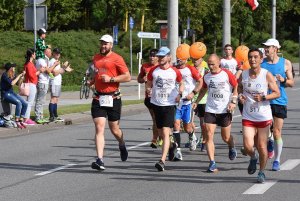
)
(253, 3)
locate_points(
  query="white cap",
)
(272, 42)
(107, 38)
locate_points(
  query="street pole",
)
(173, 27)
(273, 18)
(226, 23)
(34, 20)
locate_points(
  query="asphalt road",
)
(53, 163)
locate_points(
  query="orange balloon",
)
(246, 65)
(197, 50)
(241, 53)
(182, 52)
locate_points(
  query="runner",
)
(192, 84)
(199, 107)
(142, 78)
(221, 86)
(111, 70)
(228, 62)
(161, 84)
(281, 69)
(257, 114)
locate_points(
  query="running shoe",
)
(98, 165)
(39, 121)
(193, 142)
(29, 122)
(58, 119)
(160, 166)
(232, 153)
(202, 147)
(178, 155)
(276, 166)
(212, 167)
(20, 125)
(123, 152)
(160, 142)
(261, 177)
(252, 166)
(270, 148)
(153, 145)
(243, 151)
(172, 149)
(51, 119)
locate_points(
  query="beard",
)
(104, 51)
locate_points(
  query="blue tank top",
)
(276, 69)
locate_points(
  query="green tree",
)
(62, 13)
(11, 15)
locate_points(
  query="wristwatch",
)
(232, 101)
(263, 98)
(112, 79)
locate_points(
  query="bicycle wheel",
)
(82, 91)
(87, 91)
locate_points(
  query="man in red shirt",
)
(142, 78)
(110, 70)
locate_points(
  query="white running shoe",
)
(178, 155)
(193, 142)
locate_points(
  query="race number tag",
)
(106, 101)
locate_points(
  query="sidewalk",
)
(129, 91)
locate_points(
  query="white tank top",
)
(252, 110)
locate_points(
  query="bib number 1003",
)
(217, 95)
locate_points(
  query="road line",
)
(139, 145)
(260, 188)
(290, 164)
(296, 89)
(236, 116)
(55, 169)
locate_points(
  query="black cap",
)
(56, 50)
(9, 65)
(41, 31)
(153, 52)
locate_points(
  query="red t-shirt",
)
(30, 76)
(111, 65)
(146, 67)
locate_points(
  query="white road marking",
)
(55, 169)
(290, 164)
(260, 188)
(236, 116)
(295, 89)
(139, 145)
(73, 164)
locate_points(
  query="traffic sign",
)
(36, 1)
(131, 23)
(148, 35)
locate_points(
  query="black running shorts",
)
(222, 120)
(279, 111)
(111, 113)
(200, 110)
(164, 115)
(148, 103)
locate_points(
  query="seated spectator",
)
(8, 79)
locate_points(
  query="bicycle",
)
(84, 88)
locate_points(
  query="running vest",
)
(276, 69)
(252, 110)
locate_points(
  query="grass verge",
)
(68, 109)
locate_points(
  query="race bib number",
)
(106, 101)
(217, 95)
(254, 107)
